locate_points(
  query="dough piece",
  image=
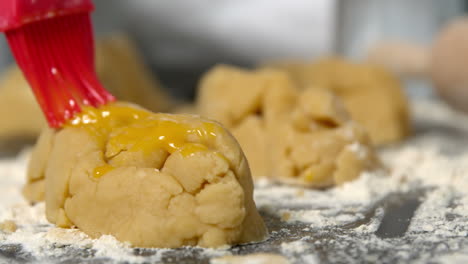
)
(20, 114)
(245, 101)
(119, 67)
(320, 146)
(261, 258)
(302, 138)
(154, 180)
(372, 96)
(34, 191)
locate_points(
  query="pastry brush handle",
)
(16, 13)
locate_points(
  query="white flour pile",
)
(436, 162)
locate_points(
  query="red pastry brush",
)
(52, 43)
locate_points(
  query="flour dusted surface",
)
(342, 224)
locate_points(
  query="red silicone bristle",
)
(57, 58)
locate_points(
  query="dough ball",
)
(16, 97)
(448, 66)
(34, 190)
(160, 181)
(372, 96)
(298, 137)
(119, 67)
(319, 145)
(245, 101)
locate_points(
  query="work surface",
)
(417, 212)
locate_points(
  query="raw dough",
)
(298, 137)
(372, 96)
(319, 145)
(19, 111)
(119, 67)
(245, 101)
(154, 180)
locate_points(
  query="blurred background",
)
(182, 39)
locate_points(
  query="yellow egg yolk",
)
(101, 170)
(120, 126)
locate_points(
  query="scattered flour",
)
(261, 258)
(334, 207)
(453, 259)
(300, 251)
(357, 148)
